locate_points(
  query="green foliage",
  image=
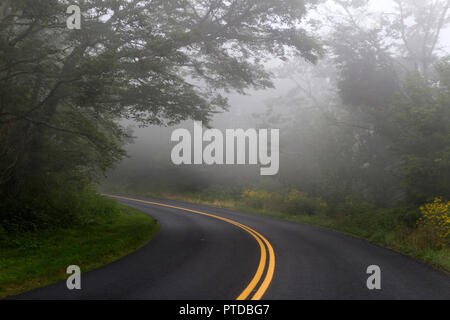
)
(34, 259)
(300, 203)
(60, 209)
(292, 201)
(365, 220)
(422, 136)
(63, 92)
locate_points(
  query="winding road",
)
(208, 253)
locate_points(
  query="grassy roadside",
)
(382, 227)
(41, 258)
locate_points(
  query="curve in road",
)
(262, 242)
(202, 253)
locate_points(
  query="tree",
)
(417, 27)
(369, 121)
(63, 91)
(386, 62)
(422, 135)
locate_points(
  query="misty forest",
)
(359, 89)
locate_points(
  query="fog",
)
(333, 113)
(356, 88)
(314, 111)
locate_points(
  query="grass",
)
(41, 258)
(381, 227)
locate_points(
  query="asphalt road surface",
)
(208, 253)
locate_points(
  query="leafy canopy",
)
(159, 62)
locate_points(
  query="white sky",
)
(387, 5)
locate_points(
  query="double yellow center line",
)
(267, 252)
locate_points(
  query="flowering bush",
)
(436, 218)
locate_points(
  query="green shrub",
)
(406, 216)
(64, 209)
(292, 201)
(300, 203)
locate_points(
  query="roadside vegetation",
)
(421, 232)
(364, 133)
(102, 231)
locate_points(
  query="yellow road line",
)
(259, 238)
(259, 271)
